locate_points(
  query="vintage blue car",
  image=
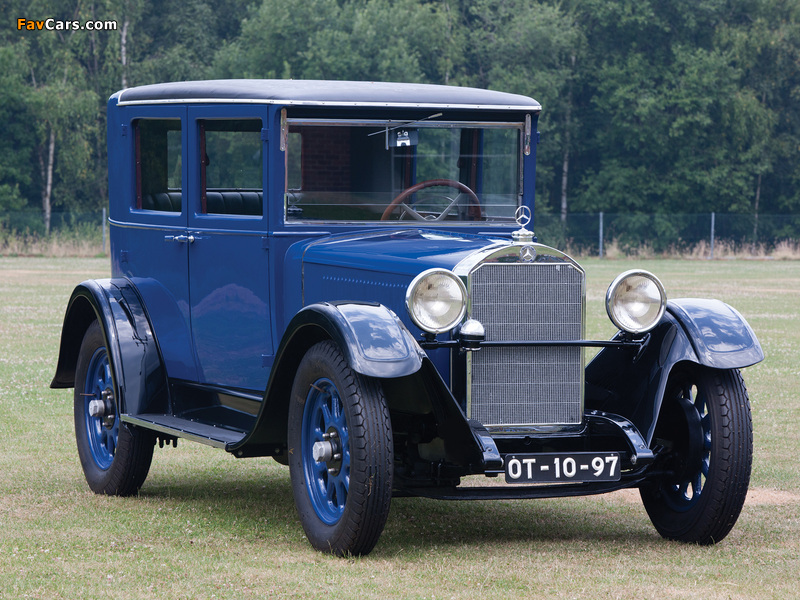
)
(340, 275)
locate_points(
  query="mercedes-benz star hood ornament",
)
(522, 217)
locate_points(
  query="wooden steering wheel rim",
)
(433, 183)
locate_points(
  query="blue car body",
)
(218, 290)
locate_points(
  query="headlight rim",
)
(610, 295)
(410, 295)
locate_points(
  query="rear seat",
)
(163, 201)
(221, 203)
(234, 203)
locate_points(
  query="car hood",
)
(406, 252)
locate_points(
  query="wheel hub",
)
(103, 408)
(328, 451)
(692, 453)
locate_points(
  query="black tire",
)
(115, 458)
(342, 496)
(706, 430)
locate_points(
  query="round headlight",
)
(635, 301)
(436, 300)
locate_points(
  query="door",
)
(149, 214)
(228, 246)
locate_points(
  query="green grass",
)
(206, 525)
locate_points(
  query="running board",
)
(210, 435)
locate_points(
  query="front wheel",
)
(114, 457)
(706, 432)
(340, 453)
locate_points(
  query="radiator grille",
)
(531, 385)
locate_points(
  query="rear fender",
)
(136, 365)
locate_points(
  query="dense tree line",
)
(651, 106)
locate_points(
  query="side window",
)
(231, 170)
(502, 174)
(294, 165)
(158, 164)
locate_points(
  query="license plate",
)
(562, 467)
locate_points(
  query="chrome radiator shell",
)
(522, 298)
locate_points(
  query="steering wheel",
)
(474, 210)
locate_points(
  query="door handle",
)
(179, 238)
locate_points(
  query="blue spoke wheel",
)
(115, 458)
(705, 440)
(340, 453)
(327, 467)
(100, 415)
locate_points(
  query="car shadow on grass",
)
(425, 523)
(257, 501)
(254, 496)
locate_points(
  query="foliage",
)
(649, 105)
(327, 39)
(15, 177)
(682, 131)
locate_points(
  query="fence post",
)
(713, 216)
(600, 243)
(104, 230)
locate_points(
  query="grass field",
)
(206, 525)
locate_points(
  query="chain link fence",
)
(587, 234)
(593, 233)
(31, 222)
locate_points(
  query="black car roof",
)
(326, 93)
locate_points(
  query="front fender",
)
(372, 338)
(632, 384)
(137, 368)
(720, 336)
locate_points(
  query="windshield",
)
(425, 170)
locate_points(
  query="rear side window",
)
(231, 168)
(159, 182)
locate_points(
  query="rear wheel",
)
(340, 453)
(114, 457)
(706, 431)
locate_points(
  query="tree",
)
(16, 148)
(674, 129)
(648, 105)
(535, 51)
(766, 47)
(327, 39)
(59, 105)
(57, 81)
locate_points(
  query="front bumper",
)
(600, 432)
